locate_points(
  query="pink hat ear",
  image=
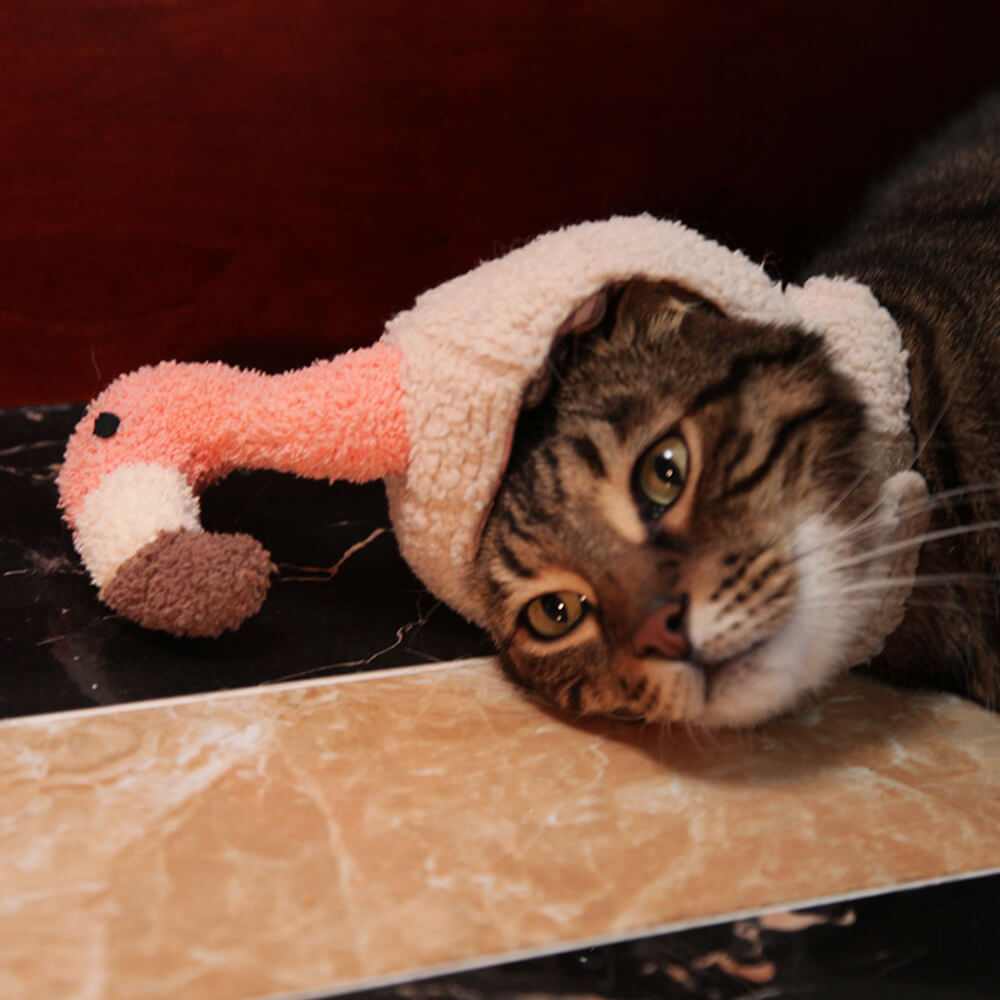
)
(584, 317)
(587, 314)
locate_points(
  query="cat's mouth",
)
(691, 687)
(712, 671)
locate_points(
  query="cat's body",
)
(690, 519)
(929, 248)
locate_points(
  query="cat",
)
(683, 529)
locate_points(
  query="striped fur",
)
(929, 248)
(765, 556)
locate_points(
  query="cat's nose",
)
(663, 632)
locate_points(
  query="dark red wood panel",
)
(265, 181)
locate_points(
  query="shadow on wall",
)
(266, 181)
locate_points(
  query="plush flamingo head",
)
(150, 443)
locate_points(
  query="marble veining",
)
(314, 836)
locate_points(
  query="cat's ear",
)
(587, 315)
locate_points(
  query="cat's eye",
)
(662, 470)
(554, 615)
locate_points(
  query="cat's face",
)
(677, 537)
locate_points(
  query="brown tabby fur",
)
(776, 437)
(929, 248)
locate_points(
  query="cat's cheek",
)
(667, 691)
(806, 651)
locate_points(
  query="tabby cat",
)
(683, 530)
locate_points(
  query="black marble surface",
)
(344, 601)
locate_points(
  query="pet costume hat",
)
(431, 409)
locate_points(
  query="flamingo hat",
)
(430, 408)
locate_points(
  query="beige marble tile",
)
(298, 838)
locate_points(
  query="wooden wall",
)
(264, 181)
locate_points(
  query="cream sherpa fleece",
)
(471, 346)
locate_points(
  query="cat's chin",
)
(773, 676)
(744, 690)
(753, 689)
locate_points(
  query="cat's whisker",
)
(933, 580)
(855, 483)
(852, 449)
(852, 486)
(925, 581)
(689, 732)
(696, 731)
(877, 587)
(858, 528)
(863, 519)
(865, 522)
(932, 499)
(865, 600)
(970, 353)
(915, 542)
(954, 607)
(928, 502)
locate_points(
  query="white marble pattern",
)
(297, 838)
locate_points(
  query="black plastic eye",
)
(106, 424)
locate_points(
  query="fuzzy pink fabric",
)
(337, 419)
